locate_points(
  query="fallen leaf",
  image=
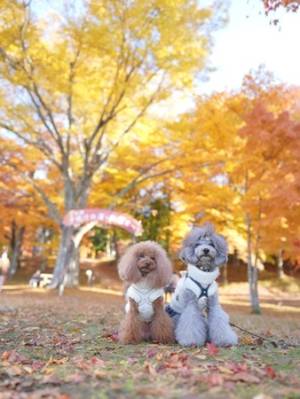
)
(225, 370)
(13, 357)
(201, 357)
(151, 353)
(28, 369)
(96, 361)
(14, 370)
(76, 378)
(176, 361)
(151, 391)
(37, 365)
(236, 367)
(5, 355)
(31, 329)
(100, 374)
(149, 369)
(112, 336)
(58, 361)
(51, 379)
(212, 349)
(215, 379)
(245, 377)
(247, 340)
(270, 372)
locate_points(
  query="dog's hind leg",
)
(131, 328)
(161, 327)
(219, 330)
(191, 328)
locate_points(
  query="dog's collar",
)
(202, 277)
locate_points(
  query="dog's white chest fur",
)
(144, 297)
(202, 284)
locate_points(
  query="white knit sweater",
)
(189, 281)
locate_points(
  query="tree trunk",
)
(115, 245)
(252, 272)
(67, 263)
(17, 235)
(168, 231)
(66, 271)
(225, 274)
(42, 236)
(110, 245)
(72, 276)
(280, 271)
(253, 285)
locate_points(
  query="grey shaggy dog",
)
(195, 307)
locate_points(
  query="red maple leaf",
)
(270, 372)
(212, 349)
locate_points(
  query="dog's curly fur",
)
(207, 251)
(146, 262)
(188, 251)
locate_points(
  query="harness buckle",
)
(203, 290)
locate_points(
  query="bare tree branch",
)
(35, 89)
(131, 124)
(122, 63)
(135, 182)
(70, 97)
(52, 209)
(41, 145)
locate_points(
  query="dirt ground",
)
(65, 347)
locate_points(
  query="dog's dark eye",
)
(153, 257)
(141, 256)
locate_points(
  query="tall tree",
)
(22, 212)
(239, 169)
(77, 87)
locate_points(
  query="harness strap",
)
(171, 312)
(203, 290)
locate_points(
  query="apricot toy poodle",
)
(146, 270)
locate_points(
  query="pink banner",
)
(104, 217)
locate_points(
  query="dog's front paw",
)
(190, 339)
(228, 338)
(191, 328)
(221, 334)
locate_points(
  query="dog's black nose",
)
(206, 251)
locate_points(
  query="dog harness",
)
(144, 297)
(201, 283)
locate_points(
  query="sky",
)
(248, 40)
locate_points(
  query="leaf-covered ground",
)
(53, 347)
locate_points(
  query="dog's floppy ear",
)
(181, 255)
(127, 266)
(164, 266)
(186, 253)
(221, 248)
